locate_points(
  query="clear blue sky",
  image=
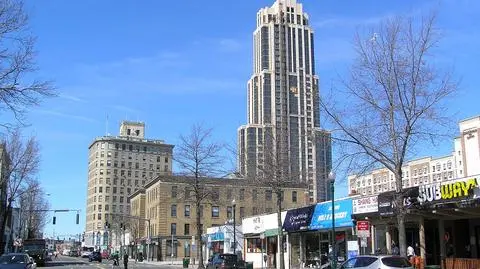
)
(175, 63)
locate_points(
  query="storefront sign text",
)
(447, 190)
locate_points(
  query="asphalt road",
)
(78, 263)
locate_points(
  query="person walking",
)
(125, 261)
(395, 249)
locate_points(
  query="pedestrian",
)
(410, 252)
(395, 249)
(125, 261)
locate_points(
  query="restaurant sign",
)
(465, 188)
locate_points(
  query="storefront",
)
(322, 223)
(261, 241)
(296, 226)
(220, 240)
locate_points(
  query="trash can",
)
(249, 265)
(186, 262)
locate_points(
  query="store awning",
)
(271, 232)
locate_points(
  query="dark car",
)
(95, 256)
(225, 261)
(16, 260)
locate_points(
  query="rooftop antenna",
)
(106, 124)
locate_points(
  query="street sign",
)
(363, 242)
(363, 229)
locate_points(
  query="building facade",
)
(117, 167)
(170, 207)
(283, 102)
(463, 162)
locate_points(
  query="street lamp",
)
(234, 229)
(331, 177)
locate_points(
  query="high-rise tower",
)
(283, 101)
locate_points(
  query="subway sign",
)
(460, 189)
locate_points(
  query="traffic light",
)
(54, 220)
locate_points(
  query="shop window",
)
(254, 245)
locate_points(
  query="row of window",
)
(241, 194)
(137, 148)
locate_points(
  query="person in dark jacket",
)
(125, 261)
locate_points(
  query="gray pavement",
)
(79, 263)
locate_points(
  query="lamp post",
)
(331, 177)
(234, 229)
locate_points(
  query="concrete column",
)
(388, 237)
(441, 234)
(372, 237)
(421, 231)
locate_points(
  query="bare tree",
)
(17, 90)
(394, 99)
(33, 204)
(199, 157)
(20, 163)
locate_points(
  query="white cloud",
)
(65, 115)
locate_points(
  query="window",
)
(242, 194)
(268, 195)
(254, 194)
(187, 211)
(174, 191)
(173, 211)
(173, 228)
(294, 196)
(229, 194)
(229, 212)
(186, 229)
(215, 212)
(242, 212)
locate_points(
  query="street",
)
(77, 262)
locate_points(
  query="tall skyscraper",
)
(117, 167)
(283, 101)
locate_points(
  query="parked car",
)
(95, 256)
(86, 254)
(225, 261)
(377, 262)
(17, 260)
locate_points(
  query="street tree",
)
(394, 100)
(20, 161)
(198, 157)
(19, 90)
(33, 204)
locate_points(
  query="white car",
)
(86, 254)
(377, 262)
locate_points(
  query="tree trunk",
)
(3, 224)
(199, 239)
(401, 233)
(280, 231)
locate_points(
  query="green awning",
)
(271, 232)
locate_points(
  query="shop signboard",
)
(322, 217)
(365, 205)
(298, 219)
(387, 201)
(454, 190)
(253, 225)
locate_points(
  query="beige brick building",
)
(168, 203)
(117, 167)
